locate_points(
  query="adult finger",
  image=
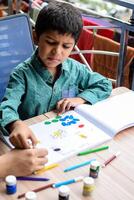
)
(42, 161)
(42, 152)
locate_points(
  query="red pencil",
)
(110, 159)
(37, 189)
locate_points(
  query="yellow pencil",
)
(46, 168)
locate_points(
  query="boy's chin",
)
(52, 64)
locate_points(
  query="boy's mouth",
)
(53, 59)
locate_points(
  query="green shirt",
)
(31, 90)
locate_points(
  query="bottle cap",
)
(64, 190)
(94, 165)
(88, 181)
(44, 4)
(30, 195)
(10, 180)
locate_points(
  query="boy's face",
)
(54, 48)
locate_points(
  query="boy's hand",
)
(68, 103)
(21, 134)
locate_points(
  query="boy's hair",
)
(61, 17)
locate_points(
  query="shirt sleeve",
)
(12, 98)
(94, 87)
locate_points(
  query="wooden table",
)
(115, 181)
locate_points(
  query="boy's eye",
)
(66, 46)
(51, 42)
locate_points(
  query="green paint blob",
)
(58, 117)
(55, 120)
(47, 122)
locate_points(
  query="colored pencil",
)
(110, 159)
(46, 168)
(67, 182)
(79, 165)
(28, 178)
(37, 189)
(92, 150)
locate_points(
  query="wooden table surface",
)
(115, 181)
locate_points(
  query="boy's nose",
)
(56, 50)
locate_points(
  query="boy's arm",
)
(10, 121)
(94, 86)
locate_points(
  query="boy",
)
(49, 79)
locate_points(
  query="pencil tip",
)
(102, 165)
(118, 153)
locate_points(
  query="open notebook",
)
(86, 127)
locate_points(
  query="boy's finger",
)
(24, 142)
(16, 142)
(69, 105)
(33, 139)
(59, 105)
(64, 106)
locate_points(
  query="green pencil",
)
(92, 150)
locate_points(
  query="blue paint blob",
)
(64, 124)
(68, 120)
(71, 117)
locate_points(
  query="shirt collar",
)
(65, 65)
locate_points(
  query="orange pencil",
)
(110, 159)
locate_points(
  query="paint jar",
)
(30, 196)
(11, 184)
(94, 169)
(88, 186)
(64, 192)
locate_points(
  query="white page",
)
(70, 139)
(113, 114)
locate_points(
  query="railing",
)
(126, 27)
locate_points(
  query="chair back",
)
(16, 45)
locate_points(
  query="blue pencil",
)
(28, 178)
(79, 165)
(74, 180)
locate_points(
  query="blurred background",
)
(104, 8)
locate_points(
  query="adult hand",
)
(21, 134)
(68, 103)
(22, 162)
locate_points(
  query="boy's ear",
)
(35, 38)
